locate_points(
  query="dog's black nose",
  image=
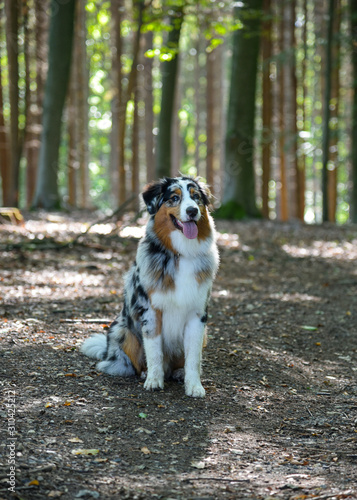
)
(192, 212)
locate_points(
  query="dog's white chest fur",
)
(179, 305)
(187, 293)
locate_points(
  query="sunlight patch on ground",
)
(102, 228)
(229, 240)
(295, 297)
(132, 232)
(340, 250)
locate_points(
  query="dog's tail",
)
(113, 359)
(95, 347)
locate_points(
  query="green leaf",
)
(309, 328)
(142, 415)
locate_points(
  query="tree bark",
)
(326, 120)
(210, 106)
(284, 214)
(118, 170)
(149, 111)
(135, 149)
(31, 145)
(4, 145)
(82, 78)
(239, 188)
(60, 52)
(267, 107)
(72, 129)
(169, 70)
(12, 15)
(334, 110)
(353, 14)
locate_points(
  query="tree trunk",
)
(326, 120)
(290, 112)
(117, 168)
(302, 160)
(353, 14)
(210, 106)
(284, 213)
(30, 117)
(123, 104)
(239, 189)
(267, 106)
(4, 145)
(169, 71)
(297, 173)
(72, 162)
(82, 78)
(197, 102)
(12, 15)
(60, 52)
(135, 149)
(149, 111)
(176, 139)
(334, 109)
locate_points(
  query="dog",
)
(161, 328)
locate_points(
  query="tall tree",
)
(149, 111)
(4, 142)
(82, 77)
(284, 215)
(326, 121)
(239, 187)
(59, 58)
(334, 105)
(293, 176)
(353, 15)
(12, 46)
(210, 106)
(267, 106)
(169, 70)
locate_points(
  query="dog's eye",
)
(175, 198)
(196, 197)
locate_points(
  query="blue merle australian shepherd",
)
(161, 327)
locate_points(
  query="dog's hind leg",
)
(116, 362)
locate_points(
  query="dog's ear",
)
(152, 195)
(204, 190)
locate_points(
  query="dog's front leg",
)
(152, 339)
(193, 342)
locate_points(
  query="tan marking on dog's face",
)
(135, 351)
(203, 225)
(163, 225)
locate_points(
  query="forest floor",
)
(279, 420)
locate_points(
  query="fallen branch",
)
(116, 212)
(216, 479)
(51, 244)
(86, 320)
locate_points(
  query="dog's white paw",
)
(195, 390)
(154, 382)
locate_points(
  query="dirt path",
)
(280, 416)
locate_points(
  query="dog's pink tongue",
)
(190, 230)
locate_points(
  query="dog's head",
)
(180, 203)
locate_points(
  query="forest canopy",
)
(97, 98)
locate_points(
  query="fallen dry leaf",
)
(75, 440)
(198, 465)
(81, 451)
